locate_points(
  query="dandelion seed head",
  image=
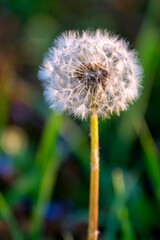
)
(91, 72)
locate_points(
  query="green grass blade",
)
(48, 140)
(120, 205)
(7, 215)
(47, 161)
(151, 155)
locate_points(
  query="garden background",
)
(44, 157)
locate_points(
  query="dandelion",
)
(91, 74)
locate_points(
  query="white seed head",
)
(91, 72)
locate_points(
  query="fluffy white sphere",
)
(91, 72)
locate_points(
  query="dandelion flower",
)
(90, 72)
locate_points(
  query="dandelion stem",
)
(94, 180)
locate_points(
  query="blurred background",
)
(44, 158)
